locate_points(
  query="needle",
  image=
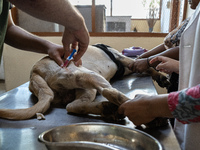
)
(69, 58)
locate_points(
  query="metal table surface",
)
(18, 135)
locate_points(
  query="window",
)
(117, 16)
(131, 15)
(137, 9)
(116, 26)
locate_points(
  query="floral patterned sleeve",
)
(185, 105)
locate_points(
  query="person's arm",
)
(171, 53)
(158, 49)
(63, 13)
(144, 108)
(21, 39)
(141, 65)
(166, 49)
(166, 65)
(185, 104)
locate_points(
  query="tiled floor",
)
(2, 87)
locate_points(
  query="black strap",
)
(120, 67)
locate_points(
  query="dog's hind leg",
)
(85, 104)
(96, 81)
(45, 95)
(86, 79)
(114, 96)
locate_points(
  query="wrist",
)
(160, 106)
(148, 59)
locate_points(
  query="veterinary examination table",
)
(23, 135)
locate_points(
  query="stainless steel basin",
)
(101, 136)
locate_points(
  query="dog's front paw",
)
(110, 112)
(162, 80)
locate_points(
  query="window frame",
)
(174, 13)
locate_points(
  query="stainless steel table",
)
(22, 135)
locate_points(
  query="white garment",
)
(1, 70)
(189, 76)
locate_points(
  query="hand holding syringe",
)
(69, 58)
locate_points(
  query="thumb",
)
(161, 66)
(157, 58)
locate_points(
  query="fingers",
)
(164, 65)
(83, 41)
(81, 50)
(74, 45)
(78, 63)
(59, 61)
(126, 110)
(56, 53)
(155, 59)
(73, 39)
(82, 47)
(164, 70)
(137, 110)
(67, 40)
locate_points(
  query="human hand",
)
(139, 65)
(144, 108)
(137, 110)
(75, 38)
(56, 53)
(78, 63)
(166, 65)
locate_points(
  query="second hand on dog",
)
(69, 58)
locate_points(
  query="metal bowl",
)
(101, 136)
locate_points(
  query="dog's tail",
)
(45, 95)
(22, 114)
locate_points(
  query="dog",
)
(77, 87)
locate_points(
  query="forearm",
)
(59, 11)
(158, 49)
(171, 53)
(184, 105)
(19, 38)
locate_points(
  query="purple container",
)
(133, 51)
